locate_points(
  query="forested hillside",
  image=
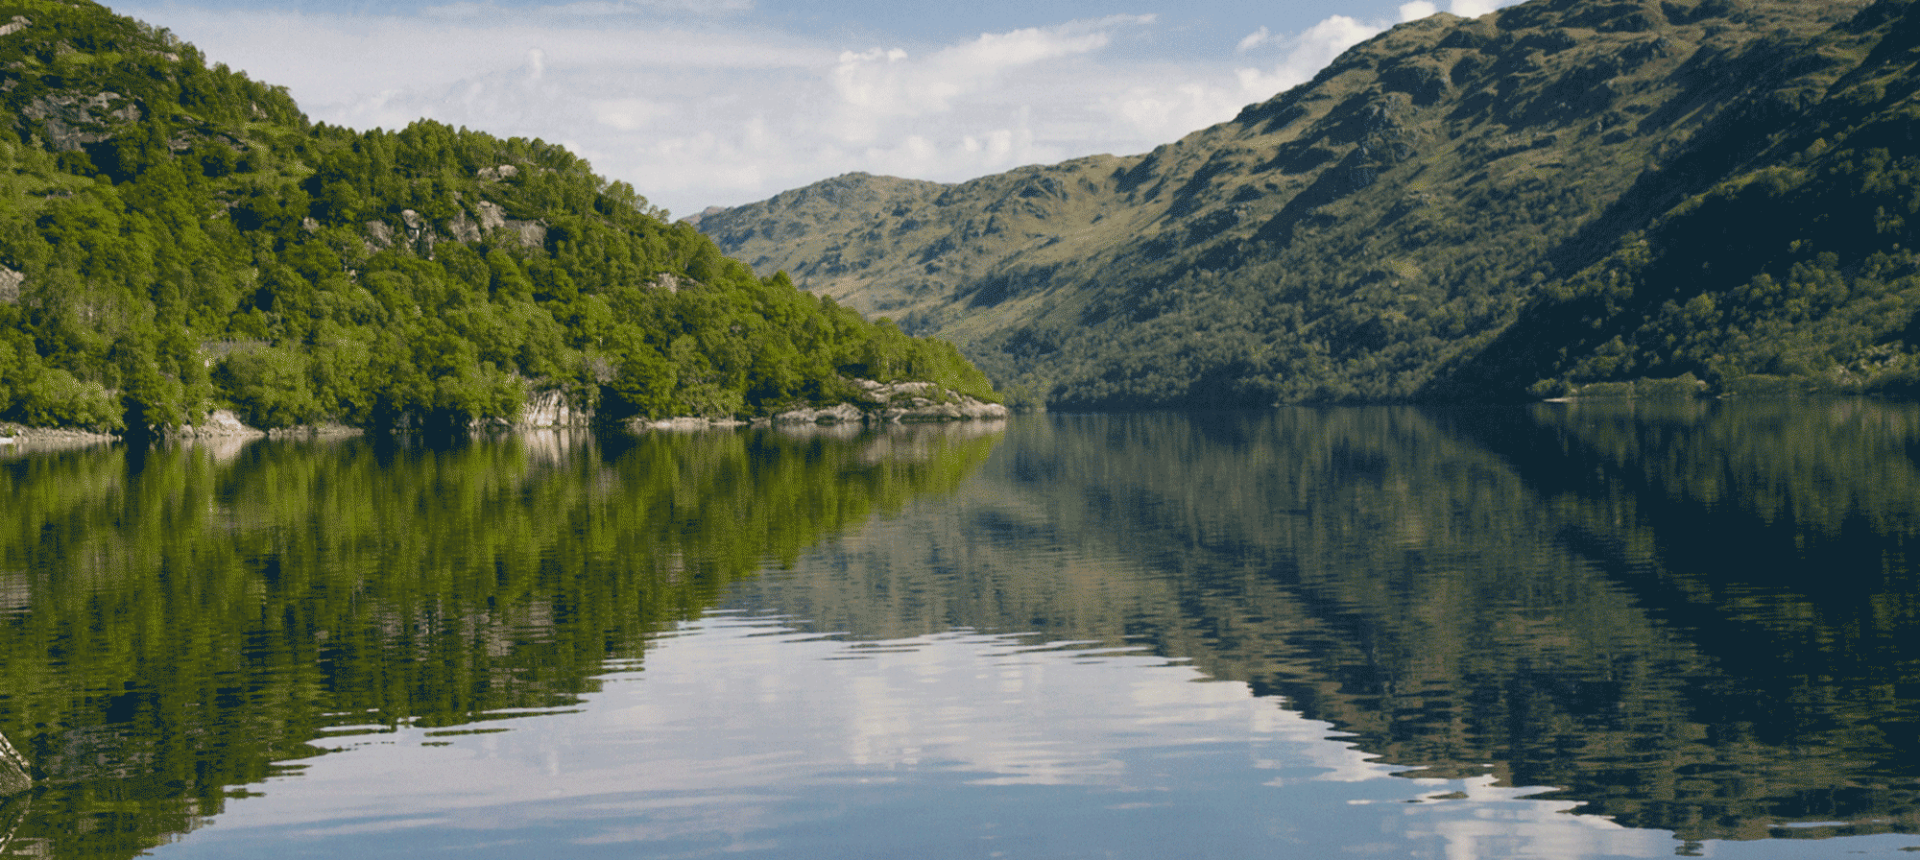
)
(1559, 194)
(175, 237)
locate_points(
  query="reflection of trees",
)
(175, 624)
(1456, 589)
(1778, 536)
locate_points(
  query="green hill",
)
(175, 237)
(1561, 193)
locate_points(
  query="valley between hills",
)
(1560, 197)
(1634, 196)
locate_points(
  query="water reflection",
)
(1570, 631)
(1498, 592)
(182, 621)
(745, 737)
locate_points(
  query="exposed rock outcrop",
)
(532, 234)
(845, 413)
(878, 403)
(420, 234)
(70, 122)
(902, 402)
(379, 236)
(220, 423)
(10, 284)
(488, 220)
(26, 439)
(552, 409)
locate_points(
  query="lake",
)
(1600, 629)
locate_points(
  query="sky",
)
(700, 103)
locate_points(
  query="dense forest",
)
(175, 238)
(1560, 196)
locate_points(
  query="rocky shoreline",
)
(15, 438)
(878, 404)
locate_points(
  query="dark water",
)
(1596, 630)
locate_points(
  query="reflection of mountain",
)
(173, 625)
(1463, 589)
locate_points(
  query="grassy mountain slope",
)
(1378, 232)
(1794, 270)
(175, 237)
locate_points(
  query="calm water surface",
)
(1597, 630)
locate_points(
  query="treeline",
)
(178, 238)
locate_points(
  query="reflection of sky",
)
(739, 735)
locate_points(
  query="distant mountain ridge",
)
(1558, 194)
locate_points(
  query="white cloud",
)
(1254, 40)
(696, 8)
(726, 111)
(1310, 51)
(630, 114)
(1306, 54)
(1418, 9)
(889, 83)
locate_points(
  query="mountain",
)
(1561, 194)
(176, 238)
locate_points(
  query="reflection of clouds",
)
(1498, 823)
(737, 732)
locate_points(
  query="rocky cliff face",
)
(1353, 238)
(552, 409)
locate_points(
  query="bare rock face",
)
(379, 236)
(902, 402)
(463, 228)
(492, 216)
(220, 424)
(419, 233)
(70, 122)
(898, 403)
(963, 408)
(845, 413)
(532, 234)
(10, 284)
(552, 409)
(487, 221)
